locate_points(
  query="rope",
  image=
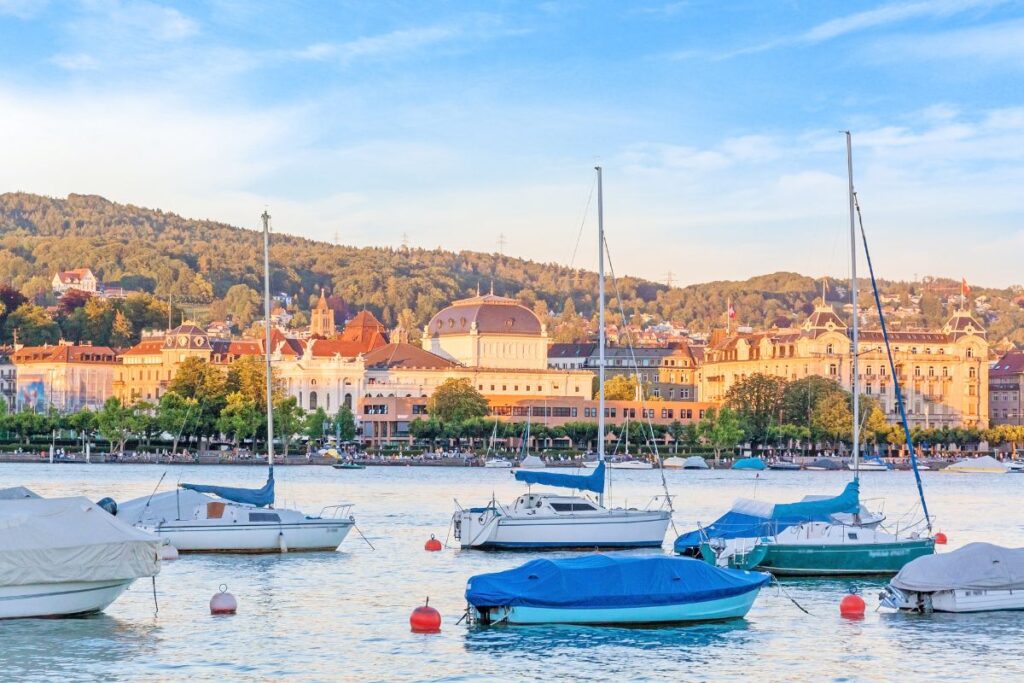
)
(359, 531)
(649, 437)
(783, 592)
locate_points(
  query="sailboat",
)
(551, 520)
(529, 461)
(495, 462)
(625, 462)
(205, 518)
(818, 536)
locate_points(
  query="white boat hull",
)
(610, 529)
(59, 599)
(733, 607)
(631, 465)
(211, 536)
(957, 600)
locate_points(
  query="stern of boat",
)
(474, 527)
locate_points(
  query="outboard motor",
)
(108, 504)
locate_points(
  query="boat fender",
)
(425, 619)
(108, 504)
(283, 544)
(223, 602)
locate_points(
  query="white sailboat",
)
(549, 520)
(236, 520)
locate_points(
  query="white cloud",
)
(395, 43)
(1000, 42)
(78, 61)
(22, 9)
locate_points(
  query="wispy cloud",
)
(78, 61)
(22, 9)
(393, 44)
(996, 43)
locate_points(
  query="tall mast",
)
(266, 349)
(855, 351)
(600, 323)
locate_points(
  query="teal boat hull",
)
(864, 559)
(747, 560)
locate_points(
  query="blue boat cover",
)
(600, 581)
(584, 482)
(749, 464)
(750, 519)
(260, 497)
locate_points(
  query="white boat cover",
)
(976, 566)
(674, 462)
(62, 540)
(162, 507)
(695, 462)
(532, 461)
(985, 463)
(17, 493)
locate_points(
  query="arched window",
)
(931, 371)
(917, 371)
(348, 401)
(970, 352)
(972, 373)
(312, 400)
(828, 349)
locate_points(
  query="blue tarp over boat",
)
(599, 581)
(584, 482)
(749, 464)
(260, 497)
(753, 519)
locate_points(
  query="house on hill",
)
(81, 279)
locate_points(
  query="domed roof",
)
(186, 336)
(490, 314)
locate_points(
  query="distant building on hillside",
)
(81, 279)
(1006, 389)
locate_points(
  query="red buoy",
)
(223, 602)
(433, 545)
(852, 606)
(940, 539)
(425, 619)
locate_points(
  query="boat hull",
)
(633, 529)
(843, 559)
(732, 607)
(954, 601)
(59, 599)
(195, 536)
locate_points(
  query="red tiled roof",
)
(1010, 364)
(65, 353)
(405, 356)
(146, 347)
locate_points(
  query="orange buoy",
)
(940, 539)
(433, 545)
(852, 606)
(223, 602)
(425, 619)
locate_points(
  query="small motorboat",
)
(674, 463)
(603, 590)
(756, 464)
(979, 577)
(351, 465)
(784, 466)
(871, 463)
(695, 462)
(498, 463)
(67, 556)
(630, 464)
(986, 464)
(1015, 466)
(824, 465)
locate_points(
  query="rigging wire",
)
(583, 222)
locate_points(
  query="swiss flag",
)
(732, 312)
(964, 288)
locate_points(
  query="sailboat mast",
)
(855, 350)
(266, 349)
(600, 322)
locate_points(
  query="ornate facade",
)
(67, 377)
(943, 373)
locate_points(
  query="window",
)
(972, 372)
(917, 371)
(945, 371)
(931, 371)
(829, 349)
(419, 409)
(572, 507)
(264, 517)
(868, 371)
(832, 370)
(312, 400)
(970, 352)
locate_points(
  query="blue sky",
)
(453, 122)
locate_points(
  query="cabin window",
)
(572, 507)
(264, 517)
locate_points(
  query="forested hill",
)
(199, 260)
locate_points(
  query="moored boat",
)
(67, 556)
(498, 463)
(870, 463)
(752, 463)
(784, 465)
(986, 464)
(695, 462)
(979, 577)
(603, 590)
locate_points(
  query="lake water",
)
(344, 616)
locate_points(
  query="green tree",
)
(344, 424)
(115, 423)
(800, 396)
(197, 379)
(178, 415)
(248, 376)
(620, 388)
(721, 429)
(27, 423)
(757, 400)
(32, 324)
(456, 400)
(426, 430)
(316, 424)
(121, 331)
(240, 418)
(876, 427)
(240, 302)
(833, 417)
(288, 420)
(83, 423)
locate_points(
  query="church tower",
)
(321, 319)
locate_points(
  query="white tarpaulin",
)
(60, 540)
(976, 566)
(162, 507)
(17, 493)
(985, 464)
(695, 462)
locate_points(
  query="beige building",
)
(67, 377)
(80, 278)
(321, 319)
(943, 373)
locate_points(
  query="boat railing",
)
(339, 511)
